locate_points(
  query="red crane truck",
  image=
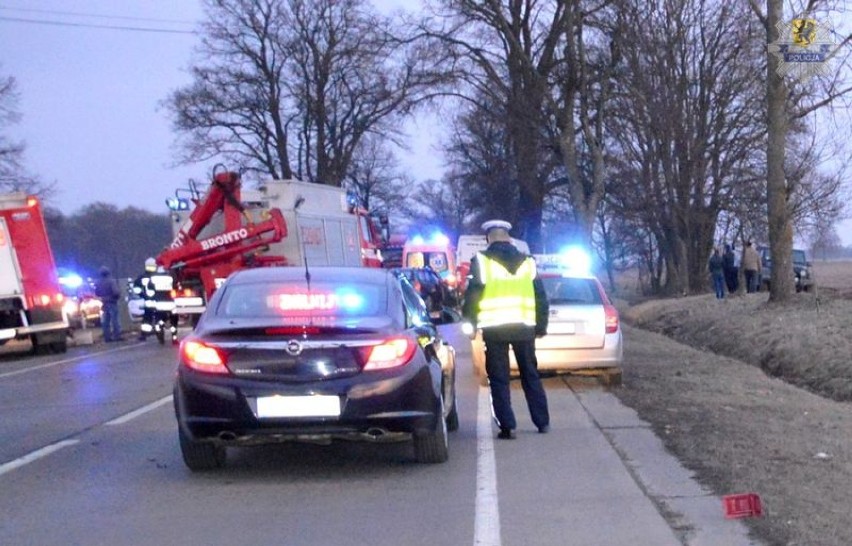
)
(286, 222)
(31, 300)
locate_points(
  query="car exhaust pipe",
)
(376, 433)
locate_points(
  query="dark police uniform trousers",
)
(497, 367)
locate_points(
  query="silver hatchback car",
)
(584, 334)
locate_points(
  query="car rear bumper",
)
(555, 353)
(381, 407)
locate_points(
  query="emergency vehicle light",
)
(177, 203)
(71, 281)
(417, 240)
(439, 238)
(576, 259)
(32, 201)
(318, 301)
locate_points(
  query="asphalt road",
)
(89, 456)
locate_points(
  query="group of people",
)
(725, 268)
(154, 286)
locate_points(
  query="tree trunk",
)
(780, 228)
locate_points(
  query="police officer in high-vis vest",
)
(507, 301)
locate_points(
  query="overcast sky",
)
(90, 98)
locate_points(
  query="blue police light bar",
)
(72, 280)
(576, 259)
(439, 238)
(177, 203)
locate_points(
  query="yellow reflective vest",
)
(507, 298)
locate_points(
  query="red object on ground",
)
(743, 505)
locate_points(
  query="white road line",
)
(136, 413)
(487, 520)
(65, 361)
(35, 455)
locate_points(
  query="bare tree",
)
(291, 87)
(13, 174)
(506, 55)
(376, 178)
(687, 127)
(782, 109)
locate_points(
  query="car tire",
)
(200, 456)
(431, 447)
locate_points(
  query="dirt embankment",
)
(753, 400)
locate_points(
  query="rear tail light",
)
(389, 354)
(611, 314)
(203, 358)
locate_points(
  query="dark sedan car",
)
(341, 353)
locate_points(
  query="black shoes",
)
(506, 434)
(544, 429)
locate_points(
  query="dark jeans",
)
(732, 280)
(109, 321)
(751, 280)
(719, 285)
(497, 367)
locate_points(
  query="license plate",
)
(298, 406)
(561, 328)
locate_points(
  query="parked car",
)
(344, 353)
(81, 306)
(802, 269)
(429, 285)
(584, 332)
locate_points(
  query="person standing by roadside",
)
(751, 267)
(731, 269)
(717, 273)
(107, 289)
(506, 299)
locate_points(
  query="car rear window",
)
(563, 290)
(437, 261)
(295, 300)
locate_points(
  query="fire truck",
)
(283, 223)
(31, 300)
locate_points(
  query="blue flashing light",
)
(350, 301)
(439, 238)
(71, 280)
(575, 258)
(417, 240)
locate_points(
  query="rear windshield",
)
(568, 290)
(295, 300)
(799, 257)
(436, 261)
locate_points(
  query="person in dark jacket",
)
(731, 269)
(716, 267)
(507, 301)
(107, 289)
